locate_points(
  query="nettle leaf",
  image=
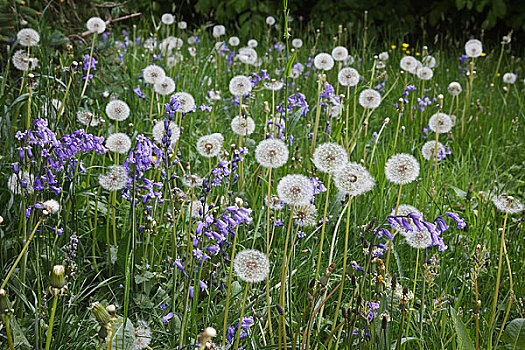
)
(124, 336)
(145, 276)
(514, 334)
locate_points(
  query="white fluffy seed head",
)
(329, 156)
(323, 61)
(28, 37)
(297, 43)
(509, 78)
(348, 77)
(429, 149)
(182, 25)
(402, 168)
(271, 153)
(195, 209)
(251, 265)
(22, 62)
(242, 125)
(51, 206)
(353, 179)
(166, 87)
(305, 215)
(295, 189)
(234, 41)
(274, 85)
(210, 145)
(270, 20)
(191, 180)
(240, 85)
(161, 135)
(153, 74)
(473, 48)
(454, 88)
(383, 56)
(87, 118)
(405, 209)
(115, 178)
(117, 110)
(252, 43)
(339, 53)
(370, 98)
(418, 239)
(508, 204)
(167, 18)
(440, 123)
(425, 73)
(408, 63)
(247, 55)
(218, 31)
(21, 182)
(96, 25)
(186, 102)
(274, 204)
(429, 61)
(118, 143)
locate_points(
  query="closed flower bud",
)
(5, 304)
(101, 314)
(58, 279)
(112, 310)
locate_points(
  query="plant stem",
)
(51, 320)
(498, 276)
(89, 64)
(228, 290)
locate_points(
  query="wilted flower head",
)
(240, 85)
(305, 215)
(295, 189)
(160, 135)
(118, 143)
(408, 63)
(339, 53)
(383, 56)
(96, 25)
(51, 206)
(473, 48)
(402, 168)
(454, 88)
(28, 37)
(209, 145)
(274, 85)
(353, 179)
(87, 118)
(509, 78)
(23, 62)
(218, 30)
(440, 123)
(165, 87)
(323, 61)
(167, 18)
(117, 110)
(370, 98)
(348, 77)
(425, 73)
(508, 204)
(271, 153)
(23, 181)
(428, 151)
(329, 156)
(275, 203)
(153, 74)
(242, 125)
(195, 209)
(115, 179)
(251, 265)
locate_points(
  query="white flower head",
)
(165, 87)
(167, 19)
(234, 41)
(186, 102)
(118, 143)
(117, 110)
(509, 78)
(473, 48)
(51, 206)
(428, 151)
(242, 125)
(295, 189)
(153, 74)
(23, 62)
(96, 25)
(251, 266)
(370, 98)
(28, 37)
(240, 85)
(402, 169)
(323, 61)
(218, 31)
(418, 239)
(329, 156)
(271, 153)
(305, 215)
(270, 20)
(209, 145)
(115, 178)
(353, 179)
(252, 43)
(508, 204)
(339, 53)
(297, 43)
(454, 88)
(348, 77)
(440, 123)
(161, 135)
(425, 73)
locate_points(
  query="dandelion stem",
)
(51, 320)
(498, 276)
(8, 332)
(228, 290)
(89, 65)
(238, 336)
(390, 241)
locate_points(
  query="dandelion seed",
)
(369, 98)
(440, 123)
(323, 61)
(429, 61)
(270, 20)
(96, 25)
(295, 189)
(247, 55)
(142, 336)
(383, 56)
(191, 180)
(425, 73)
(274, 85)
(118, 143)
(408, 63)
(186, 102)
(153, 74)
(87, 118)
(218, 31)
(28, 37)
(159, 133)
(210, 145)
(454, 88)
(115, 179)
(353, 179)
(182, 25)
(339, 53)
(117, 110)
(271, 153)
(240, 85)
(234, 41)
(419, 239)
(348, 77)
(251, 265)
(473, 48)
(402, 169)
(166, 87)
(429, 149)
(329, 156)
(242, 126)
(508, 204)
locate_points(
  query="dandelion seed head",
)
(167, 19)
(87, 118)
(195, 209)
(402, 168)
(209, 145)
(508, 204)
(142, 336)
(234, 41)
(240, 85)
(270, 20)
(247, 55)
(153, 74)
(251, 265)
(348, 77)
(166, 87)
(408, 63)
(305, 215)
(473, 48)
(159, 131)
(118, 143)
(191, 180)
(271, 153)
(21, 182)
(51, 206)
(509, 78)
(295, 189)
(429, 149)
(115, 178)
(329, 156)
(323, 61)
(117, 110)
(297, 43)
(440, 123)
(339, 53)
(419, 239)
(186, 102)
(353, 179)
(28, 37)
(242, 125)
(425, 73)
(370, 98)
(454, 88)
(218, 31)
(23, 62)
(96, 25)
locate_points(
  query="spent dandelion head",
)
(402, 168)
(305, 215)
(370, 98)
(271, 153)
(118, 143)
(353, 179)
(115, 178)
(96, 25)
(508, 204)
(117, 110)
(240, 85)
(339, 53)
(454, 88)
(251, 265)
(153, 74)
(209, 145)
(323, 61)
(329, 156)
(440, 123)
(242, 125)
(428, 151)
(473, 48)
(28, 37)
(348, 77)
(295, 189)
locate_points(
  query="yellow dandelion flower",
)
(483, 54)
(498, 75)
(393, 47)
(405, 45)
(417, 53)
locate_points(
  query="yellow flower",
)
(393, 47)
(199, 30)
(483, 54)
(405, 45)
(417, 53)
(498, 75)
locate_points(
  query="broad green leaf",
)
(289, 64)
(514, 333)
(123, 337)
(463, 339)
